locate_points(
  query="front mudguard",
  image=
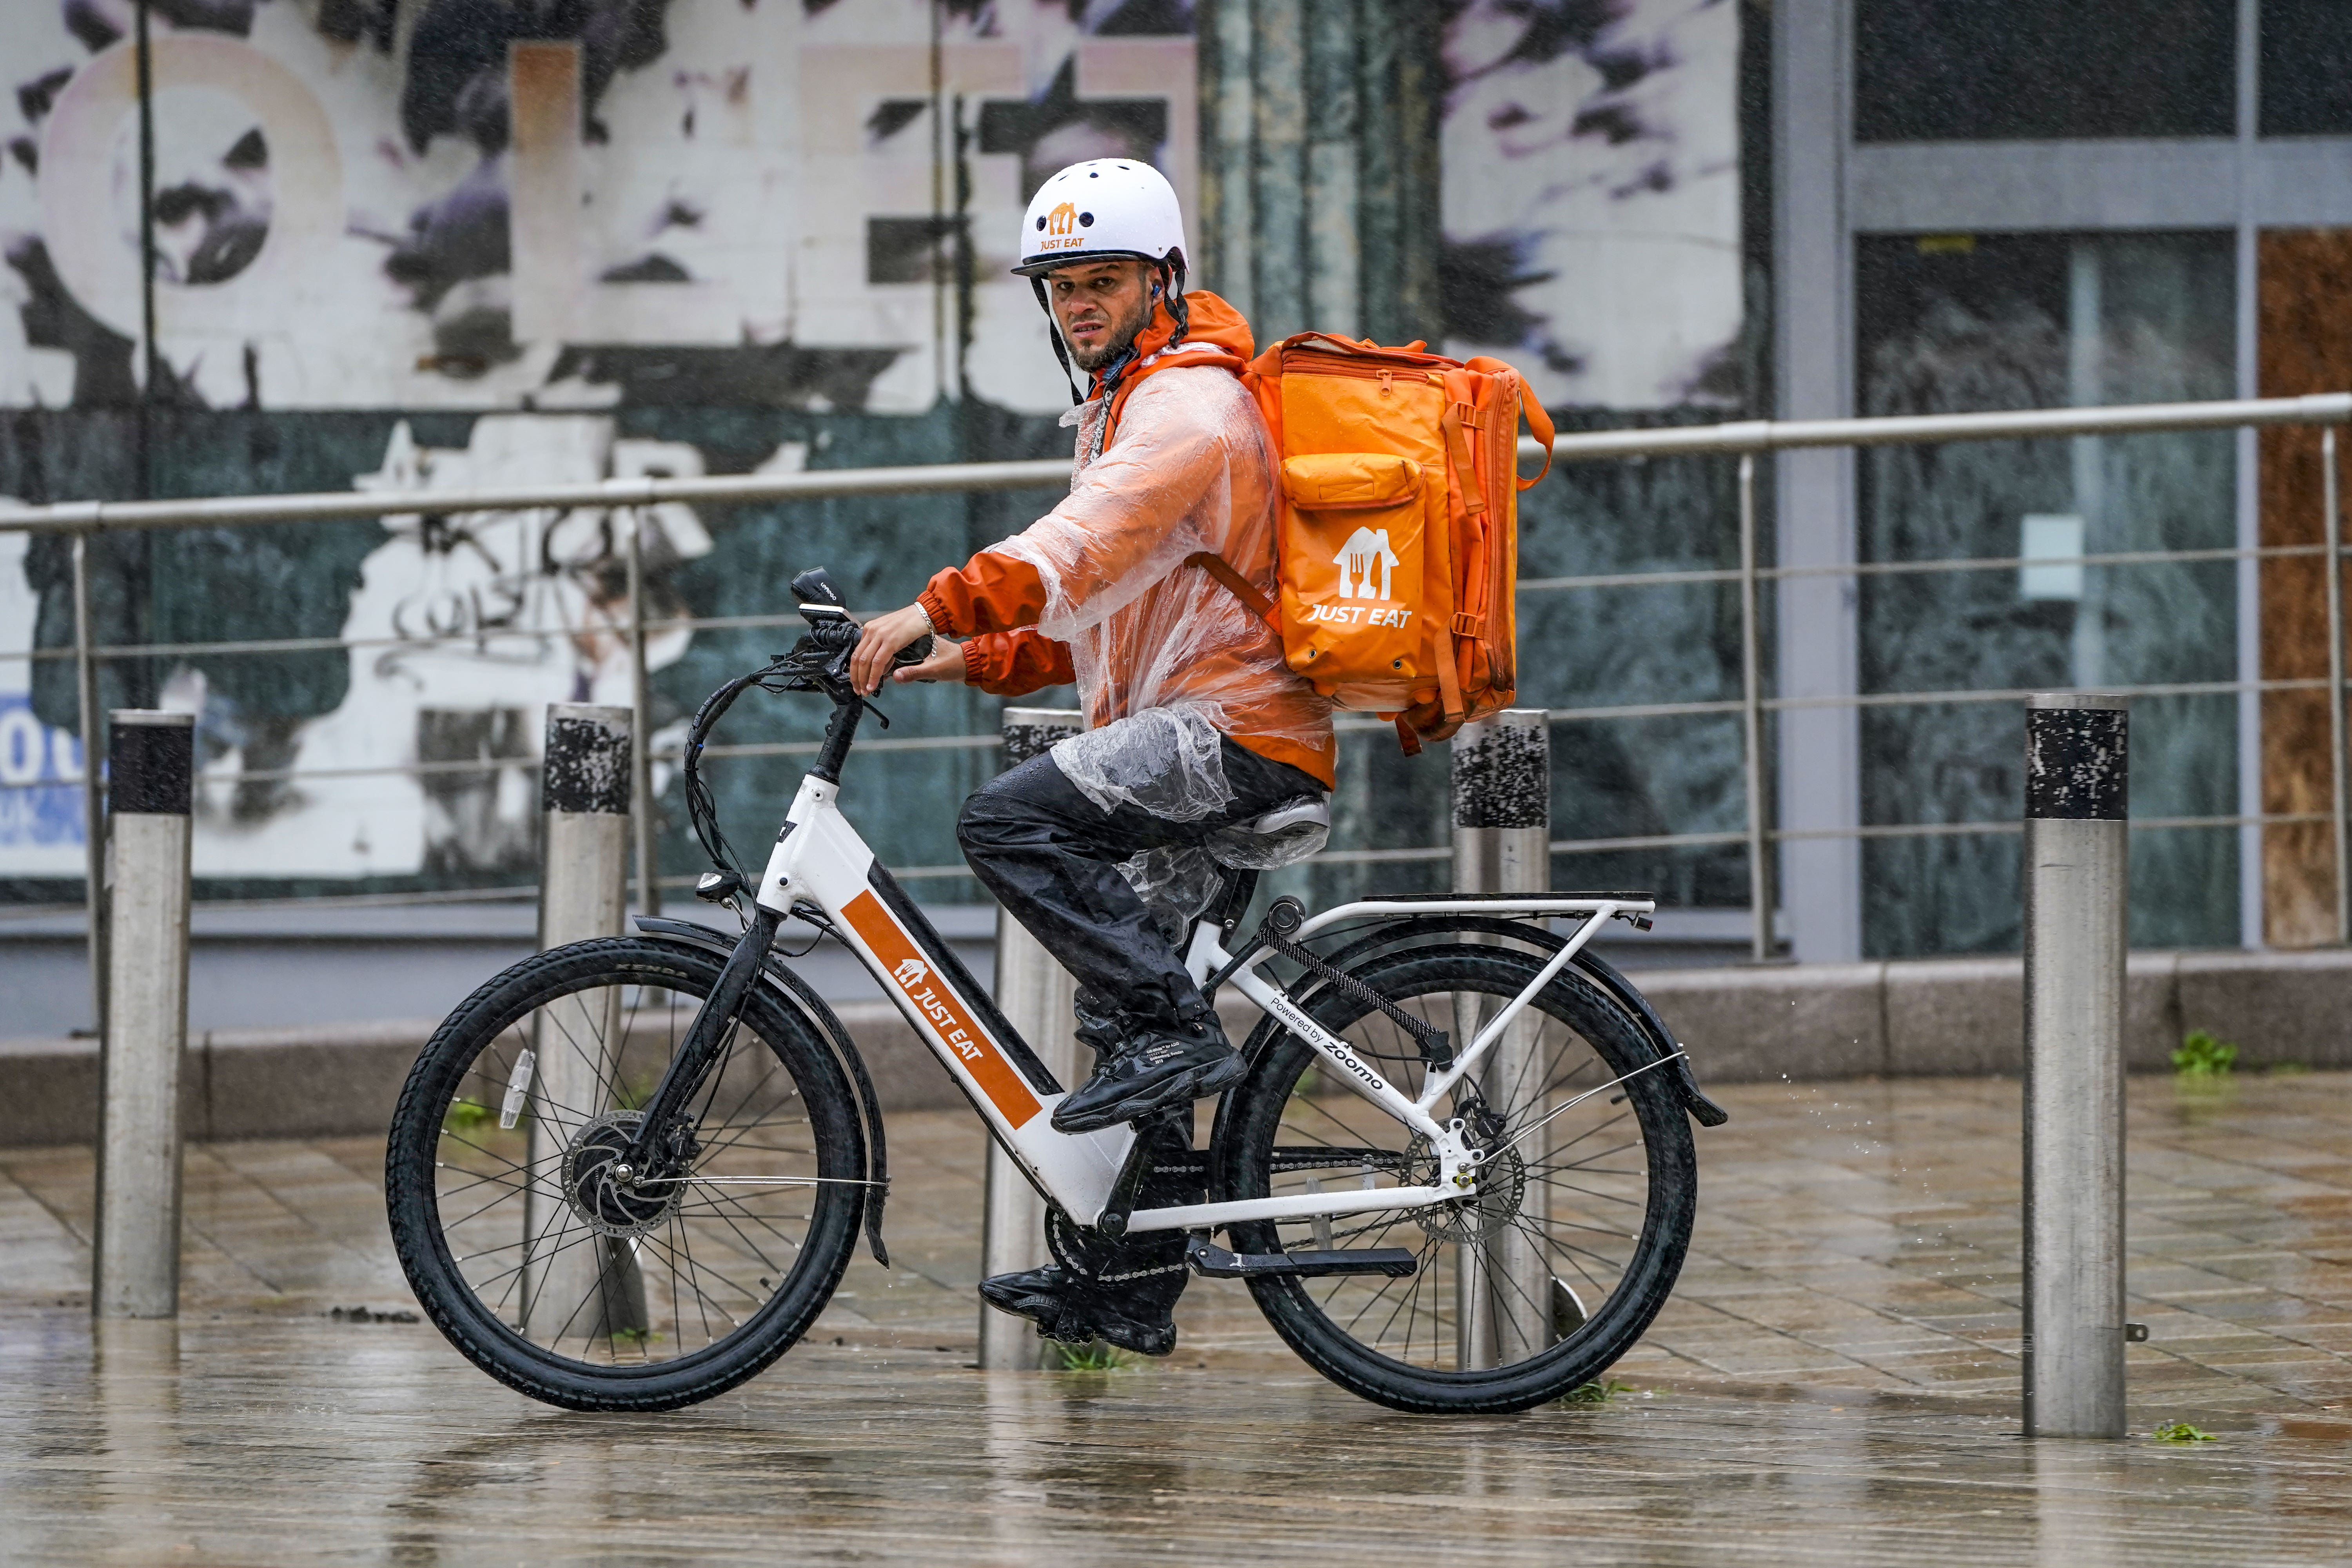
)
(798, 993)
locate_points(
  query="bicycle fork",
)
(705, 1037)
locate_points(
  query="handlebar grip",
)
(914, 652)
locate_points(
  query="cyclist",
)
(1195, 727)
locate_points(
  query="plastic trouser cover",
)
(1052, 858)
(1168, 761)
(1177, 883)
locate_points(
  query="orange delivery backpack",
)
(1397, 550)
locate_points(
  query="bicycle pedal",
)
(1216, 1262)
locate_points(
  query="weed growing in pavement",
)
(1092, 1356)
(2181, 1432)
(2201, 1055)
(465, 1115)
(1597, 1393)
(636, 1336)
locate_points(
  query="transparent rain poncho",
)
(1167, 659)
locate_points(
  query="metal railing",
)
(1744, 439)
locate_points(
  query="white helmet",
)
(1103, 207)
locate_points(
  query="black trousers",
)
(1051, 857)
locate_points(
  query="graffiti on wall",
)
(543, 213)
(1591, 196)
(539, 213)
(503, 203)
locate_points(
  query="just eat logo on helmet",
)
(1062, 219)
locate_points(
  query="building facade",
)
(409, 247)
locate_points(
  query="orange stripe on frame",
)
(941, 1009)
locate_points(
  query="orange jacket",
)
(1097, 590)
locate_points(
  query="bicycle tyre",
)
(1269, 1132)
(444, 1110)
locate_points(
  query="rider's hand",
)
(884, 635)
(946, 663)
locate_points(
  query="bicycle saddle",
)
(1295, 817)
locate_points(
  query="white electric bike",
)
(628, 1173)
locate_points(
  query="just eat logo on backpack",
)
(1396, 553)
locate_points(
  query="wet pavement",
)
(1833, 1381)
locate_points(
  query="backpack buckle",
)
(1466, 625)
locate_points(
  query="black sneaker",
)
(1152, 1069)
(1075, 1311)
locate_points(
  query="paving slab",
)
(1834, 1381)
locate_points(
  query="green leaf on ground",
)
(2201, 1055)
(1597, 1393)
(2181, 1432)
(1092, 1356)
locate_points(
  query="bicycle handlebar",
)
(818, 662)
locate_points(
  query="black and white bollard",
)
(1035, 994)
(575, 1041)
(1502, 844)
(2077, 859)
(151, 768)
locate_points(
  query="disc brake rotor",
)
(610, 1206)
(1502, 1187)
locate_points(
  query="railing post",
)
(93, 815)
(2077, 858)
(641, 740)
(1502, 844)
(1035, 994)
(575, 1040)
(1752, 695)
(2339, 770)
(135, 1264)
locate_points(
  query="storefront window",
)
(1955, 322)
(2306, 66)
(2004, 70)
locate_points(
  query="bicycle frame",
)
(820, 861)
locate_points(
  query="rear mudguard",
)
(1591, 965)
(798, 993)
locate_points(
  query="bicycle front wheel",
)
(598, 1290)
(1540, 1281)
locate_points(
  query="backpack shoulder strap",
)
(1217, 567)
(1539, 421)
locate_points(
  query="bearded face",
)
(1100, 306)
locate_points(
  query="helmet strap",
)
(1053, 336)
(1177, 310)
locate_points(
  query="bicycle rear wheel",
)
(1537, 1284)
(601, 1293)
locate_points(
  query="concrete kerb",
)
(1899, 1019)
(1750, 1025)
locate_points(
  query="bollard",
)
(1502, 844)
(135, 1265)
(2077, 852)
(575, 1041)
(1035, 994)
